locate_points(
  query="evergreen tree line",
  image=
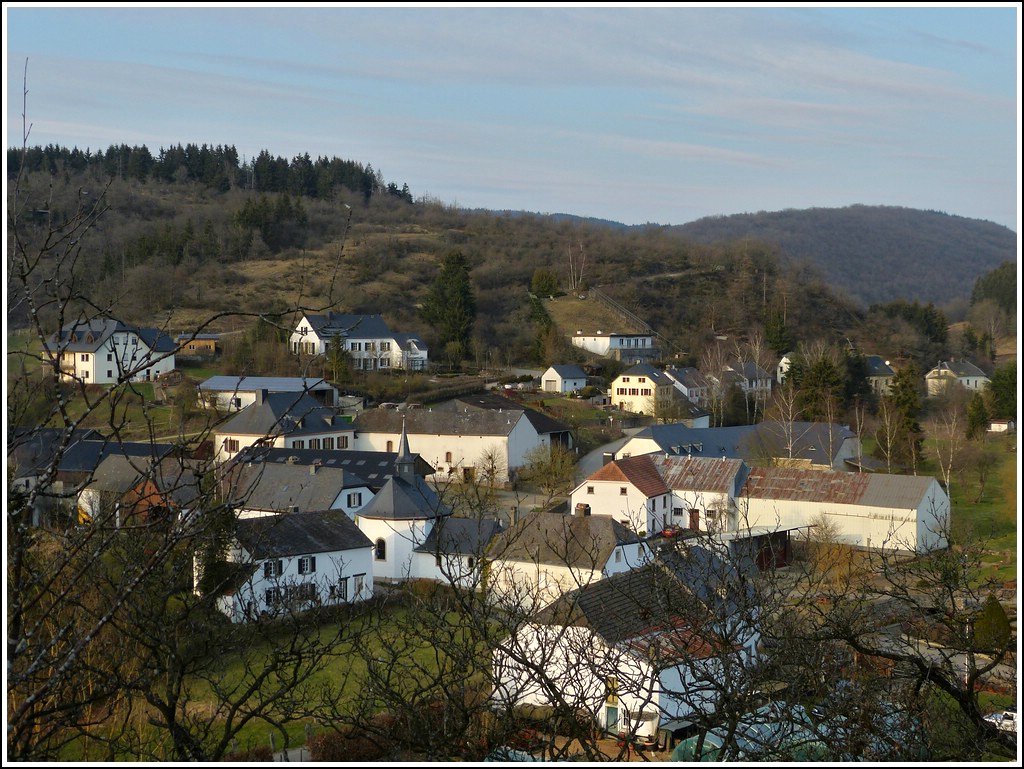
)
(215, 167)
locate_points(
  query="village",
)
(634, 586)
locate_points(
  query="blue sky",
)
(634, 114)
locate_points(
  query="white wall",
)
(912, 529)
(331, 567)
(401, 538)
(631, 508)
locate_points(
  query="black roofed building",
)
(635, 650)
(547, 554)
(368, 340)
(293, 562)
(292, 420)
(485, 436)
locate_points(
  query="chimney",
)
(261, 396)
(312, 469)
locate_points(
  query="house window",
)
(272, 596)
(342, 441)
(385, 346)
(236, 403)
(84, 357)
(357, 346)
(307, 564)
(357, 585)
(110, 356)
(472, 562)
(314, 443)
(437, 560)
(110, 374)
(273, 569)
(231, 445)
(618, 555)
(328, 443)
(448, 457)
(339, 592)
(298, 444)
(677, 512)
(381, 550)
(590, 489)
(623, 491)
(391, 446)
(355, 499)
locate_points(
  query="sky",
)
(657, 114)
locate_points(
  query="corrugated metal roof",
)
(867, 489)
(698, 473)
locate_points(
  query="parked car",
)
(1005, 721)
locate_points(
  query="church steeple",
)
(405, 463)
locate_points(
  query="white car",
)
(1005, 721)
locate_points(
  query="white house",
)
(106, 351)
(962, 372)
(654, 492)
(284, 420)
(547, 554)
(466, 437)
(234, 393)
(630, 348)
(634, 651)
(641, 389)
(370, 343)
(691, 383)
(870, 510)
(293, 562)
(563, 378)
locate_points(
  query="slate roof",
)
(85, 456)
(32, 451)
(456, 418)
(810, 440)
(653, 605)
(350, 326)
(272, 384)
(649, 371)
(460, 536)
(286, 413)
(581, 541)
(569, 371)
(281, 487)
(373, 466)
(867, 489)
(89, 336)
(279, 536)
(405, 499)
(877, 366)
(689, 377)
(958, 368)
(749, 370)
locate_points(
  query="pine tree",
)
(450, 306)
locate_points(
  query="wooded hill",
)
(926, 256)
(191, 232)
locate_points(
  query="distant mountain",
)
(874, 253)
